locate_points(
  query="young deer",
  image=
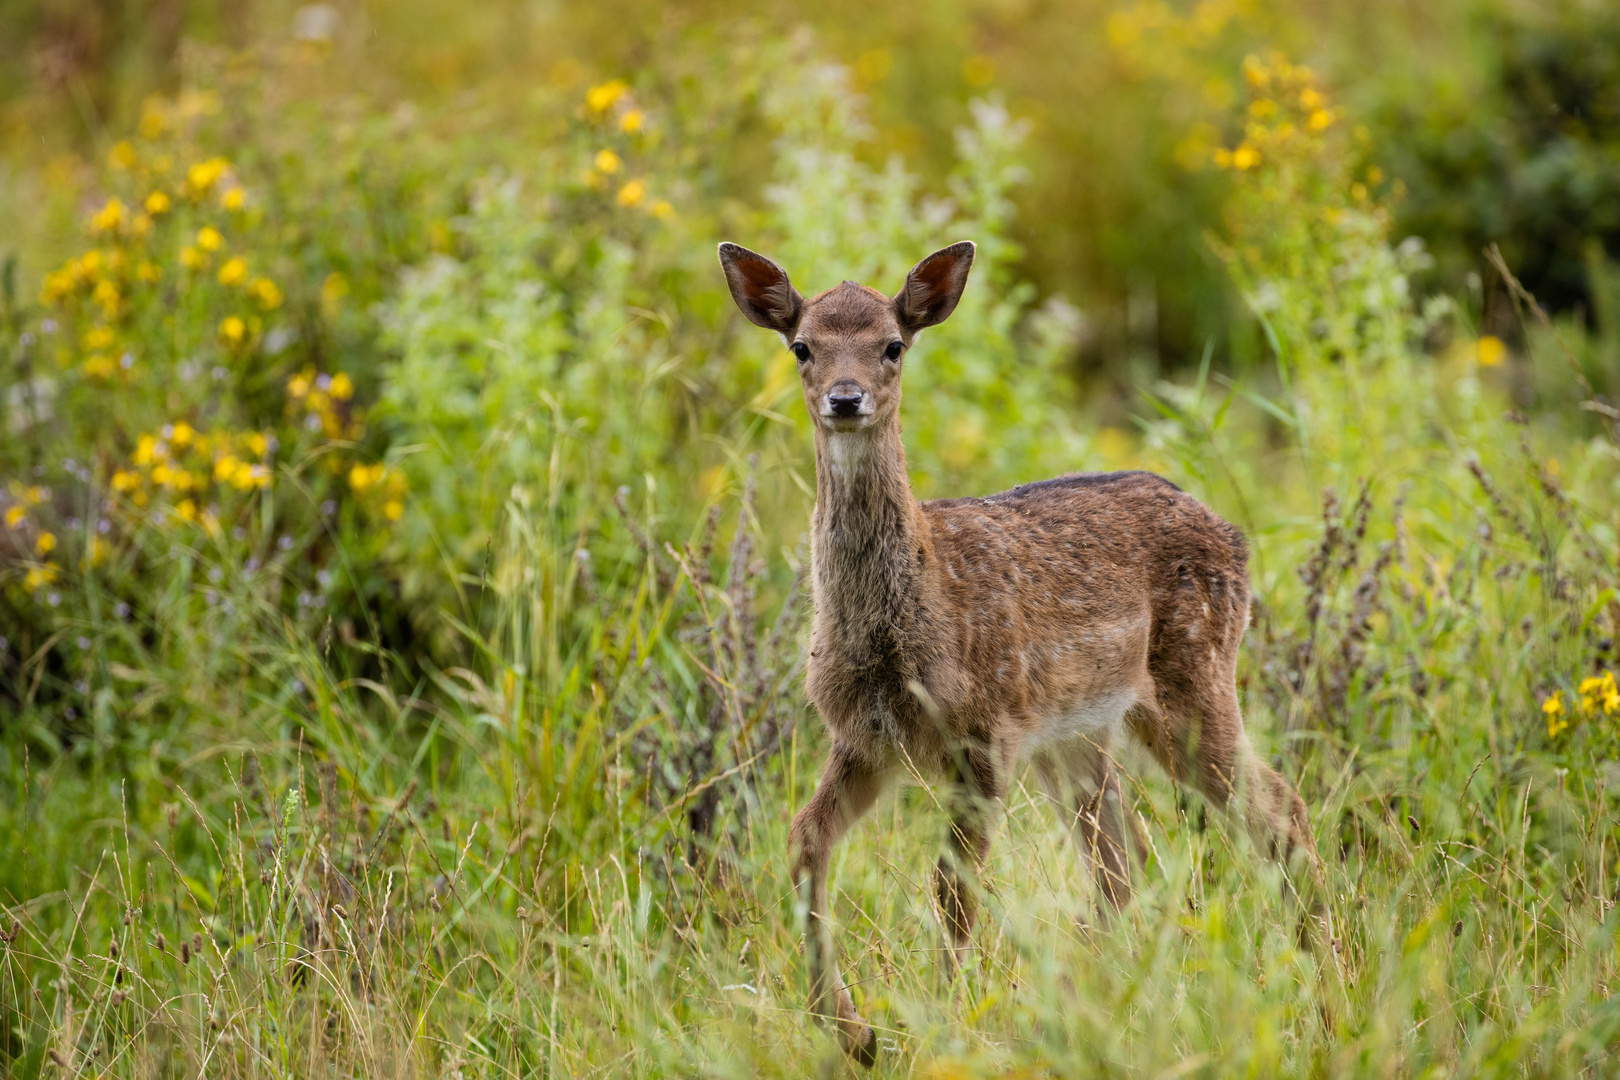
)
(959, 636)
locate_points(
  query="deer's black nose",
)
(845, 404)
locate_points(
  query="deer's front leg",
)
(977, 787)
(849, 786)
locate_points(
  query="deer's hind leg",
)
(1082, 780)
(1196, 732)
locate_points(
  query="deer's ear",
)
(761, 288)
(934, 286)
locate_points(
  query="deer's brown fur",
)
(958, 636)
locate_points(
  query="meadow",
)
(402, 599)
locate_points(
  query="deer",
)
(953, 639)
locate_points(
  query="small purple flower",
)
(82, 642)
(122, 610)
(103, 526)
(53, 599)
(127, 361)
(285, 543)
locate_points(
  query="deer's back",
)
(1069, 591)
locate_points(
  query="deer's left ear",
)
(934, 286)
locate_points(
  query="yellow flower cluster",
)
(105, 280)
(23, 499)
(180, 462)
(1285, 107)
(1598, 695)
(324, 403)
(610, 99)
(380, 482)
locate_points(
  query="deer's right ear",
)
(761, 288)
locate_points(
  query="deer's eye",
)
(802, 351)
(893, 351)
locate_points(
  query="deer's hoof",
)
(862, 1045)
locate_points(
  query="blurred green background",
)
(1488, 120)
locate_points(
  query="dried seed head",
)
(185, 952)
(162, 946)
(112, 948)
(196, 943)
(172, 813)
(522, 914)
(118, 997)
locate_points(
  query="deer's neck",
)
(868, 533)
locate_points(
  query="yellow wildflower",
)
(209, 239)
(232, 329)
(192, 259)
(163, 475)
(183, 434)
(40, 575)
(124, 480)
(203, 175)
(342, 388)
(99, 337)
(258, 443)
(269, 296)
(662, 210)
(232, 199)
(1245, 157)
(187, 510)
(393, 510)
(145, 450)
(298, 385)
(106, 294)
(633, 193)
(14, 516)
(1489, 350)
(157, 203)
(360, 477)
(1554, 708)
(1263, 109)
(1320, 120)
(148, 272)
(122, 156)
(140, 224)
(600, 99)
(607, 162)
(631, 121)
(98, 366)
(109, 217)
(45, 543)
(234, 272)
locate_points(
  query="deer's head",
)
(851, 340)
